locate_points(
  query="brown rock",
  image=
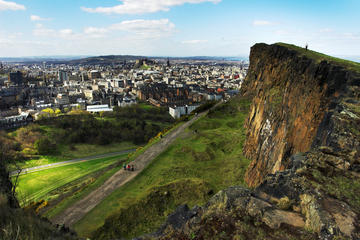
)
(344, 217)
(275, 217)
(256, 207)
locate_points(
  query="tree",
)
(9, 153)
(45, 146)
(57, 112)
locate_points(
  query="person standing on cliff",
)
(306, 47)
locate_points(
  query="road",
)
(59, 164)
(77, 211)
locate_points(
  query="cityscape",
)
(179, 120)
(31, 88)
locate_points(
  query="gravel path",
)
(77, 211)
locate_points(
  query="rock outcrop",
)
(294, 96)
(304, 141)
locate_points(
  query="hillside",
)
(303, 138)
(294, 130)
(206, 158)
(17, 223)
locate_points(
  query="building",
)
(62, 76)
(177, 112)
(98, 108)
(15, 121)
(94, 74)
(62, 99)
(126, 101)
(16, 78)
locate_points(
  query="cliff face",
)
(303, 138)
(292, 97)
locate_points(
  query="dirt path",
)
(77, 211)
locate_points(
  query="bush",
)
(45, 146)
(205, 106)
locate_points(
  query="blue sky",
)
(175, 27)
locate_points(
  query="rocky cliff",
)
(293, 95)
(303, 136)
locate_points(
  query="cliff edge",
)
(303, 137)
(296, 93)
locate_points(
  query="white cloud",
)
(66, 32)
(139, 29)
(145, 27)
(41, 31)
(194, 41)
(143, 6)
(5, 5)
(94, 30)
(38, 18)
(262, 23)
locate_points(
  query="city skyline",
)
(174, 27)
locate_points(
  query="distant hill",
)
(39, 59)
(110, 59)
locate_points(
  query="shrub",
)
(45, 146)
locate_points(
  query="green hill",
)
(207, 158)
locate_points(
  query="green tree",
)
(57, 112)
(45, 146)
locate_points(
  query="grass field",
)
(77, 151)
(37, 185)
(83, 191)
(350, 65)
(207, 158)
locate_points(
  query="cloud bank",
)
(5, 5)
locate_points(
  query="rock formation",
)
(294, 97)
(303, 137)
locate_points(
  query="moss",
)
(340, 185)
(284, 203)
(275, 98)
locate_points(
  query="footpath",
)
(79, 209)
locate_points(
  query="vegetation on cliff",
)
(319, 57)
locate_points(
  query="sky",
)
(176, 27)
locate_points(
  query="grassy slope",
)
(79, 151)
(66, 151)
(210, 159)
(350, 65)
(84, 190)
(35, 186)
